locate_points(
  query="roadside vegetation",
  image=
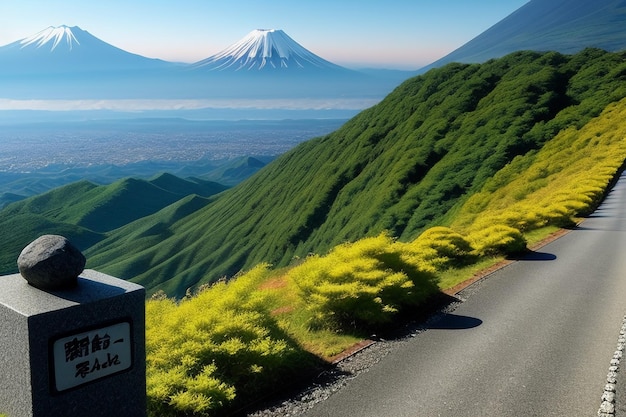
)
(230, 342)
(405, 165)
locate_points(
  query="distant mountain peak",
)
(53, 36)
(69, 50)
(265, 49)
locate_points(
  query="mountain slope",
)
(70, 63)
(106, 207)
(8, 198)
(19, 231)
(84, 211)
(236, 170)
(402, 165)
(566, 26)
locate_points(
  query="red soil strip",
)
(363, 344)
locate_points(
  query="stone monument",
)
(72, 340)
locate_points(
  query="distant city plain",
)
(39, 156)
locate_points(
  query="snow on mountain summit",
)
(265, 49)
(52, 36)
(67, 50)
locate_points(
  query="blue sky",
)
(400, 34)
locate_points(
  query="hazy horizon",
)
(404, 35)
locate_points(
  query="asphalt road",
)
(533, 339)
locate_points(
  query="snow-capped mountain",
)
(69, 63)
(266, 50)
(65, 50)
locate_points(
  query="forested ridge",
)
(234, 341)
(402, 166)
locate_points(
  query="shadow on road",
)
(533, 256)
(447, 321)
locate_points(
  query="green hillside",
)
(236, 171)
(403, 165)
(8, 198)
(15, 186)
(19, 231)
(225, 346)
(84, 212)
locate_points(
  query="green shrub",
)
(440, 247)
(497, 240)
(555, 185)
(208, 349)
(362, 284)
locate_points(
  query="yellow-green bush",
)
(207, 349)
(361, 284)
(440, 247)
(563, 180)
(497, 240)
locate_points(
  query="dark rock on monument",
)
(51, 262)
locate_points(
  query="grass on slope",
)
(19, 232)
(24, 221)
(569, 175)
(146, 232)
(403, 165)
(204, 352)
(84, 211)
